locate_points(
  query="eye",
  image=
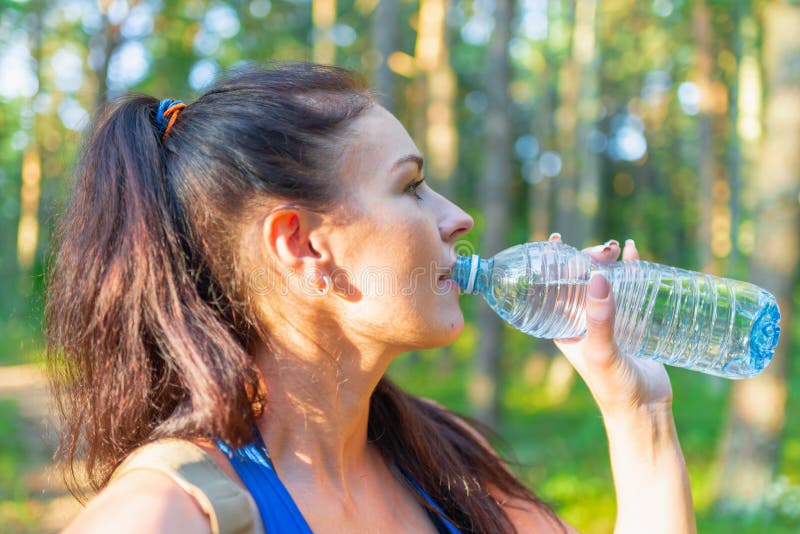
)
(412, 187)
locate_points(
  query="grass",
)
(15, 513)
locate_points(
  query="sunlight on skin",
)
(305, 458)
(383, 247)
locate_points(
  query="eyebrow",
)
(414, 158)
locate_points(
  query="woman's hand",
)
(619, 383)
(635, 398)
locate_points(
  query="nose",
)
(454, 222)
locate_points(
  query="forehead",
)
(379, 142)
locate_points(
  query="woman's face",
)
(398, 241)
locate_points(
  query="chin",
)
(445, 331)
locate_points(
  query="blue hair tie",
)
(165, 116)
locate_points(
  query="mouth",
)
(448, 274)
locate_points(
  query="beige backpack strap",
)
(230, 508)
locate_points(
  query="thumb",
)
(600, 309)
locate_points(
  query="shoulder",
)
(527, 516)
(172, 485)
(142, 501)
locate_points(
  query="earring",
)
(327, 285)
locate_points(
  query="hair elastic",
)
(168, 110)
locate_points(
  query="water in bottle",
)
(715, 325)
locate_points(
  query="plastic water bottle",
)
(715, 325)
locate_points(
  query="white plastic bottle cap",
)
(473, 273)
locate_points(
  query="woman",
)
(219, 325)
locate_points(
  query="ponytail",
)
(135, 352)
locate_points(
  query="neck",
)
(317, 411)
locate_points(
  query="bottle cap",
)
(473, 273)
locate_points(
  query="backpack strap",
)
(229, 507)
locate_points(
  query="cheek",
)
(390, 251)
(401, 246)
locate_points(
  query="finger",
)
(630, 252)
(600, 344)
(605, 253)
(555, 236)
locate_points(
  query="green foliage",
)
(560, 450)
(654, 199)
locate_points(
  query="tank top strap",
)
(279, 512)
(229, 508)
(443, 525)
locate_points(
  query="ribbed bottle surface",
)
(683, 318)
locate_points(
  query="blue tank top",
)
(278, 511)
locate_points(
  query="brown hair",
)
(148, 322)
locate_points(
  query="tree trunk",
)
(31, 186)
(585, 54)
(541, 189)
(30, 193)
(734, 155)
(384, 38)
(704, 65)
(751, 443)
(579, 183)
(113, 40)
(433, 64)
(542, 193)
(495, 191)
(566, 119)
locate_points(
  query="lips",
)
(447, 275)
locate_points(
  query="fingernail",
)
(629, 243)
(598, 286)
(554, 235)
(600, 249)
(612, 242)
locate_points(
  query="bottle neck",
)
(471, 273)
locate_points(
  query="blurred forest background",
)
(673, 122)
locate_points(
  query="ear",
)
(292, 239)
